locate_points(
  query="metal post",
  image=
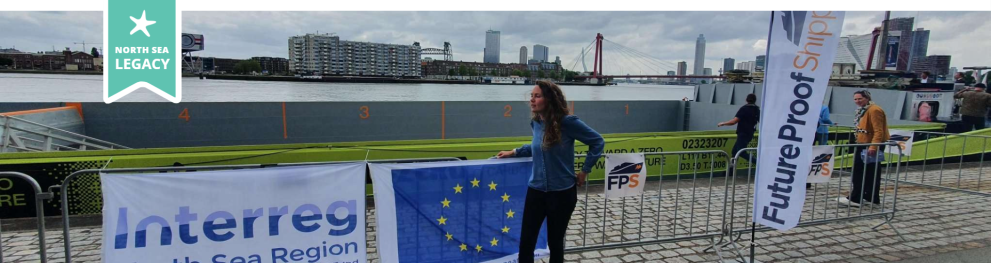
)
(39, 206)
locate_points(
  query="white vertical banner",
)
(822, 164)
(904, 140)
(284, 214)
(626, 176)
(801, 46)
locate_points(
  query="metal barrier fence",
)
(39, 198)
(686, 204)
(24, 135)
(821, 204)
(64, 187)
(958, 159)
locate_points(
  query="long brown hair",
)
(555, 109)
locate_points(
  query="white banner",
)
(626, 176)
(800, 50)
(285, 214)
(904, 140)
(822, 164)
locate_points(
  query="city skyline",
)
(671, 35)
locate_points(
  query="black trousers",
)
(556, 207)
(742, 140)
(865, 179)
(973, 123)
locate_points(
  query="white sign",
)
(822, 164)
(626, 174)
(285, 214)
(800, 50)
(904, 140)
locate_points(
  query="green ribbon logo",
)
(142, 49)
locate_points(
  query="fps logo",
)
(821, 165)
(793, 23)
(625, 174)
(901, 140)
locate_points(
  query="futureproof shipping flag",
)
(801, 46)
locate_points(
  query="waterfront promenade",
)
(937, 225)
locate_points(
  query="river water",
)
(89, 88)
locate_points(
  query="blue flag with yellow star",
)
(460, 211)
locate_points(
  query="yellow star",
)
(463, 247)
(505, 197)
(457, 188)
(494, 242)
(478, 248)
(446, 203)
(492, 186)
(505, 229)
(474, 182)
(510, 213)
(442, 220)
(449, 236)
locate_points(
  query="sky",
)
(665, 37)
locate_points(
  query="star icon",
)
(494, 242)
(463, 247)
(505, 197)
(492, 186)
(449, 236)
(478, 248)
(510, 213)
(446, 203)
(474, 182)
(141, 24)
(505, 229)
(457, 189)
(442, 220)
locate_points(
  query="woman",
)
(872, 127)
(747, 117)
(553, 183)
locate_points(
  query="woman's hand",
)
(581, 178)
(506, 154)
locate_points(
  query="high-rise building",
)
(707, 72)
(491, 46)
(901, 24)
(953, 71)
(760, 63)
(920, 46)
(523, 55)
(557, 60)
(938, 65)
(682, 68)
(540, 53)
(699, 55)
(326, 54)
(728, 64)
(856, 49)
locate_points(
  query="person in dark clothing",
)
(747, 118)
(975, 106)
(552, 192)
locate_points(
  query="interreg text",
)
(221, 226)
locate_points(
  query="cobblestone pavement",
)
(686, 219)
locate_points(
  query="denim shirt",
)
(554, 167)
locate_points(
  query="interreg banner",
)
(462, 211)
(626, 170)
(822, 164)
(904, 140)
(287, 214)
(800, 50)
(141, 49)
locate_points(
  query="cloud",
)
(648, 41)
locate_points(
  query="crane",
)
(84, 46)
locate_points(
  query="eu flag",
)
(468, 211)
